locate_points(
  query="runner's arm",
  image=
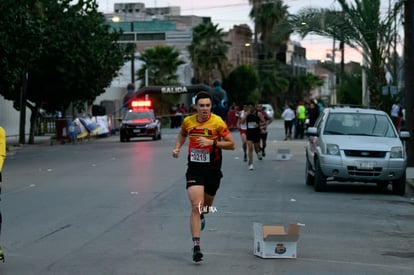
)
(180, 141)
(227, 143)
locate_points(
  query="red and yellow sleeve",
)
(2, 147)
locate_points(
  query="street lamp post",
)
(133, 56)
(117, 19)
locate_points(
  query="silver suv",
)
(356, 145)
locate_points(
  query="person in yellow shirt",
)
(208, 135)
(300, 120)
(2, 158)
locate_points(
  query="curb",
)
(409, 187)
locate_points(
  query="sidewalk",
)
(410, 180)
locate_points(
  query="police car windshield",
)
(139, 115)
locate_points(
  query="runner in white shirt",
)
(288, 116)
(242, 128)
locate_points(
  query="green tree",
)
(240, 84)
(304, 83)
(161, 63)
(208, 52)
(273, 81)
(273, 29)
(19, 48)
(350, 90)
(69, 54)
(360, 26)
(272, 25)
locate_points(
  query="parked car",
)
(140, 121)
(356, 145)
(269, 110)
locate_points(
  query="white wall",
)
(10, 118)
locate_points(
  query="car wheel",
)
(310, 179)
(398, 186)
(320, 179)
(159, 135)
(122, 137)
(382, 186)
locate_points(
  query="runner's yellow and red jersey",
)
(214, 128)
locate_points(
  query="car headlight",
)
(332, 149)
(151, 125)
(396, 152)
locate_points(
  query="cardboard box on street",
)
(272, 241)
(283, 154)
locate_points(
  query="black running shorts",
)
(210, 181)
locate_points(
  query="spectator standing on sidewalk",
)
(288, 116)
(128, 97)
(395, 110)
(313, 113)
(2, 158)
(208, 135)
(300, 120)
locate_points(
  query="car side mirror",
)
(312, 131)
(405, 135)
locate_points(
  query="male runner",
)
(208, 135)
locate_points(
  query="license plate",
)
(138, 130)
(366, 165)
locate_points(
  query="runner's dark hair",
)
(201, 95)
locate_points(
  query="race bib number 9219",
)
(200, 155)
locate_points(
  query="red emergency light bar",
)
(141, 104)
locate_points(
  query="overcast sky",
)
(228, 13)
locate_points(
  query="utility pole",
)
(409, 80)
(133, 55)
(23, 97)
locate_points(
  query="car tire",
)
(398, 186)
(122, 137)
(320, 178)
(310, 179)
(382, 186)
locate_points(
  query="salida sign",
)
(174, 90)
(194, 89)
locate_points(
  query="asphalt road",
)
(105, 207)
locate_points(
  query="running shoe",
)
(263, 153)
(259, 156)
(197, 255)
(1, 255)
(251, 167)
(203, 221)
(245, 157)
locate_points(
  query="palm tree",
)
(162, 63)
(208, 52)
(272, 28)
(359, 26)
(271, 25)
(274, 80)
